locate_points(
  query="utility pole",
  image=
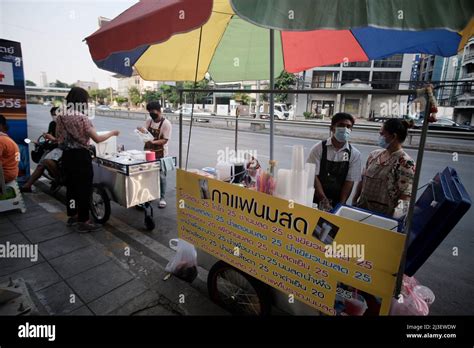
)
(257, 102)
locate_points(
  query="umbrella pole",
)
(181, 130)
(236, 130)
(193, 94)
(411, 208)
(272, 85)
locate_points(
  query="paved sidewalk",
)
(93, 273)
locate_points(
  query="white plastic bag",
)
(184, 263)
(414, 299)
(145, 137)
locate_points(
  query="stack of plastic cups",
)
(283, 183)
(298, 175)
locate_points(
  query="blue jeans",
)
(162, 184)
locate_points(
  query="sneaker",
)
(162, 204)
(55, 186)
(84, 227)
(24, 189)
(71, 221)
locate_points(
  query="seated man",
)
(50, 158)
(9, 153)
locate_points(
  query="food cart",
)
(206, 206)
(126, 180)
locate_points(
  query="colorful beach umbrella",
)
(163, 40)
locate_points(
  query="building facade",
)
(125, 83)
(376, 74)
(464, 108)
(87, 85)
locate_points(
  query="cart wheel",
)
(100, 204)
(149, 223)
(238, 292)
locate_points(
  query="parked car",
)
(199, 116)
(103, 107)
(167, 110)
(444, 124)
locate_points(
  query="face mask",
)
(342, 134)
(383, 142)
(153, 116)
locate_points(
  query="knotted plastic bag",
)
(184, 263)
(414, 299)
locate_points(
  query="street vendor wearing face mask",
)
(160, 128)
(388, 176)
(338, 164)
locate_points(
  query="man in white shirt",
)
(338, 164)
(160, 128)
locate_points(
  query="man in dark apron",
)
(160, 128)
(338, 164)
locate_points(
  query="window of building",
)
(322, 107)
(385, 80)
(349, 76)
(394, 61)
(359, 64)
(323, 79)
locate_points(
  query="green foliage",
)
(99, 94)
(150, 96)
(307, 114)
(135, 96)
(284, 81)
(121, 100)
(59, 84)
(244, 98)
(198, 96)
(30, 83)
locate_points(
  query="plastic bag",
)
(184, 263)
(145, 137)
(414, 299)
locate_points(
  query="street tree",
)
(243, 98)
(99, 95)
(150, 96)
(135, 96)
(284, 81)
(59, 84)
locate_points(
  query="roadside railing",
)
(230, 121)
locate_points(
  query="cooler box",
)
(443, 203)
(366, 217)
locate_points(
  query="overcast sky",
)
(51, 34)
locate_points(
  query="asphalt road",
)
(449, 276)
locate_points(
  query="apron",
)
(374, 195)
(159, 150)
(332, 176)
